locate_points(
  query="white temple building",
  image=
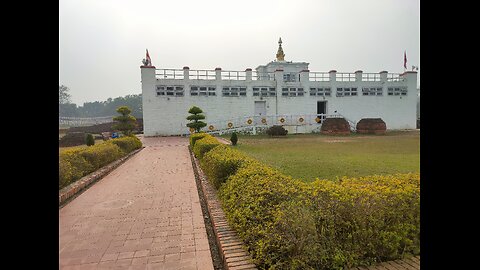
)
(279, 93)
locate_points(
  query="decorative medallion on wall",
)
(301, 119)
(282, 120)
(211, 127)
(192, 130)
(230, 125)
(249, 121)
(264, 120)
(318, 119)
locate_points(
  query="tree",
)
(63, 95)
(196, 115)
(89, 140)
(125, 122)
(234, 138)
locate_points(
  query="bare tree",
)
(63, 95)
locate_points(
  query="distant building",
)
(280, 92)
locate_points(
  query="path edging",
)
(232, 250)
(83, 183)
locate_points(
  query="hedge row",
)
(77, 162)
(289, 224)
(204, 144)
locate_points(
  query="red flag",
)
(148, 59)
(405, 59)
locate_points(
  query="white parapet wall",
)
(169, 94)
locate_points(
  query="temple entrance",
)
(321, 107)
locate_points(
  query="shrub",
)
(221, 162)
(196, 136)
(72, 139)
(277, 131)
(89, 140)
(234, 138)
(72, 166)
(102, 154)
(127, 144)
(204, 145)
(77, 162)
(367, 219)
(253, 200)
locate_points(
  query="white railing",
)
(319, 76)
(79, 121)
(267, 121)
(176, 74)
(202, 75)
(263, 76)
(233, 75)
(371, 77)
(395, 77)
(346, 77)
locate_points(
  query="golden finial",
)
(280, 54)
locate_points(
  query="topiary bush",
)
(89, 140)
(277, 131)
(234, 138)
(205, 144)
(127, 144)
(196, 136)
(221, 162)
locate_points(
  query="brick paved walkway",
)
(145, 214)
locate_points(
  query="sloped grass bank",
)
(291, 224)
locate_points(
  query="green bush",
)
(234, 138)
(252, 199)
(205, 144)
(89, 140)
(72, 166)
(102, 154)
(289, 224)
(221, 162)
(277, 131)
(196, 136)
(127, 143)
(77, 162)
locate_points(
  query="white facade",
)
(228, 95)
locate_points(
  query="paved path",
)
(145, 214)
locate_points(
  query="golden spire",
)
(280, 54)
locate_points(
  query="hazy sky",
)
(102, 42)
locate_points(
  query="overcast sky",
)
(102, 42)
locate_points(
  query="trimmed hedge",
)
(196, 136)
(289, 224)
(205, 144)
(221, 162)
(128, 143)
(77, 162)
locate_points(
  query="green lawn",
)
(310, 156)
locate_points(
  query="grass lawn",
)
(310, 156)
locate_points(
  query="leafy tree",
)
(234, 138)
(89, 140)
(125, 122)
(195, 117)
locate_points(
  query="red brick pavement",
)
(145, 214)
